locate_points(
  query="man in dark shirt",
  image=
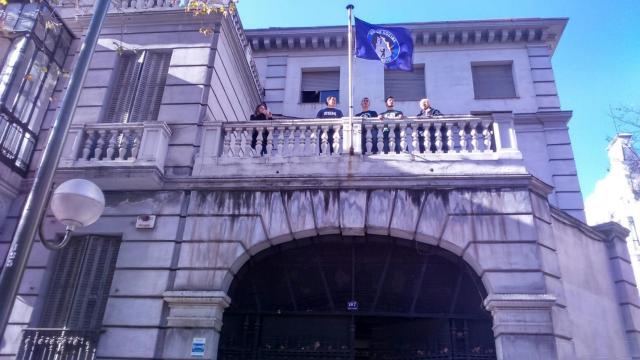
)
(391, 114)
(427, 110)
(330, 112)
(366, 113)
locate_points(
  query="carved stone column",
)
(522, 326)
(193, 315)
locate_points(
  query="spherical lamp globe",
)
(77, 203)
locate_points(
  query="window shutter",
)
(79, 288)
(61, 285)
(320, 80)
(405, 85)
(493, 81)
(124, 87)
(94, 283)
(151, 86)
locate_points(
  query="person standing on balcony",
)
(261, 113)
(330, 112)
(391, 113)
(426, 109)
(366, 113)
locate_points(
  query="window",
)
(137, 91)
(317, 85)
(80, 283)
(405, 85)
(37, 43)
(493, 81)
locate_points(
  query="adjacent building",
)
(460, 236)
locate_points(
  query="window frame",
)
(478, 64)
(114, 84)
(416, 68)
(327, 92)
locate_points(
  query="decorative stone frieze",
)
(196, 309)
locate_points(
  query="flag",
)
(391, 45)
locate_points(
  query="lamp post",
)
(35, 204)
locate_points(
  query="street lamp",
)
(75, 203)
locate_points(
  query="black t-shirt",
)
(329, 113)
(260, 116)
(367, 114)
(392, 114)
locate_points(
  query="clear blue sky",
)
(596, 64)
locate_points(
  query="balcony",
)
(138, 147)
(451, 145)
(58, 344)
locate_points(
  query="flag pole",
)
(350, 67)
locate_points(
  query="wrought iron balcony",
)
(132, 145)
(17, 142)
(304, 142)
(41, 343)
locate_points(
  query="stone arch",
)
(443, 218)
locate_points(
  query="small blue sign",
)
(352, 305)
(197, 347)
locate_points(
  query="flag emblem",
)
(391, 45)
(385, 43)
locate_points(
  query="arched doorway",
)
(370, 297)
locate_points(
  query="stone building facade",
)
(459, 236)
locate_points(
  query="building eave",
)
(444, 33)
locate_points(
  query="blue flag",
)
(391, 45)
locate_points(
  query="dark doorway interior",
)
(371, 297)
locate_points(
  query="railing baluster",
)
(280, 141)
(392, 138)
(135, 145)
(259, 146)
(291, 141)
(226, 146)
(403, 137)
(112, 135)
(313, 135)
(463, 138)
(237, 149)
(474, 137)
(299, 142)
(449, 127)
(415, 142)
(336, 140)
(88, 144)
(438, 133)
(325, 140)
(427, 138)
(270, 131)
(100, 145)
(246, 138)
(486, 133)
(368, 144)
(380, 138)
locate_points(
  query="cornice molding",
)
(450, 33)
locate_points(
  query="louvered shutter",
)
(62, 284)
(493, 81)
(405, 85)
(124, 87)
(320, 80)
(79, 288)
(151, 86)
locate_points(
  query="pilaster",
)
(193, 315)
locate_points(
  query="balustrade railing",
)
(116, 144)
(58, 344)
(326, 138)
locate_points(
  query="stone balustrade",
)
(327, 137)
(455, 145)
(116, 144)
